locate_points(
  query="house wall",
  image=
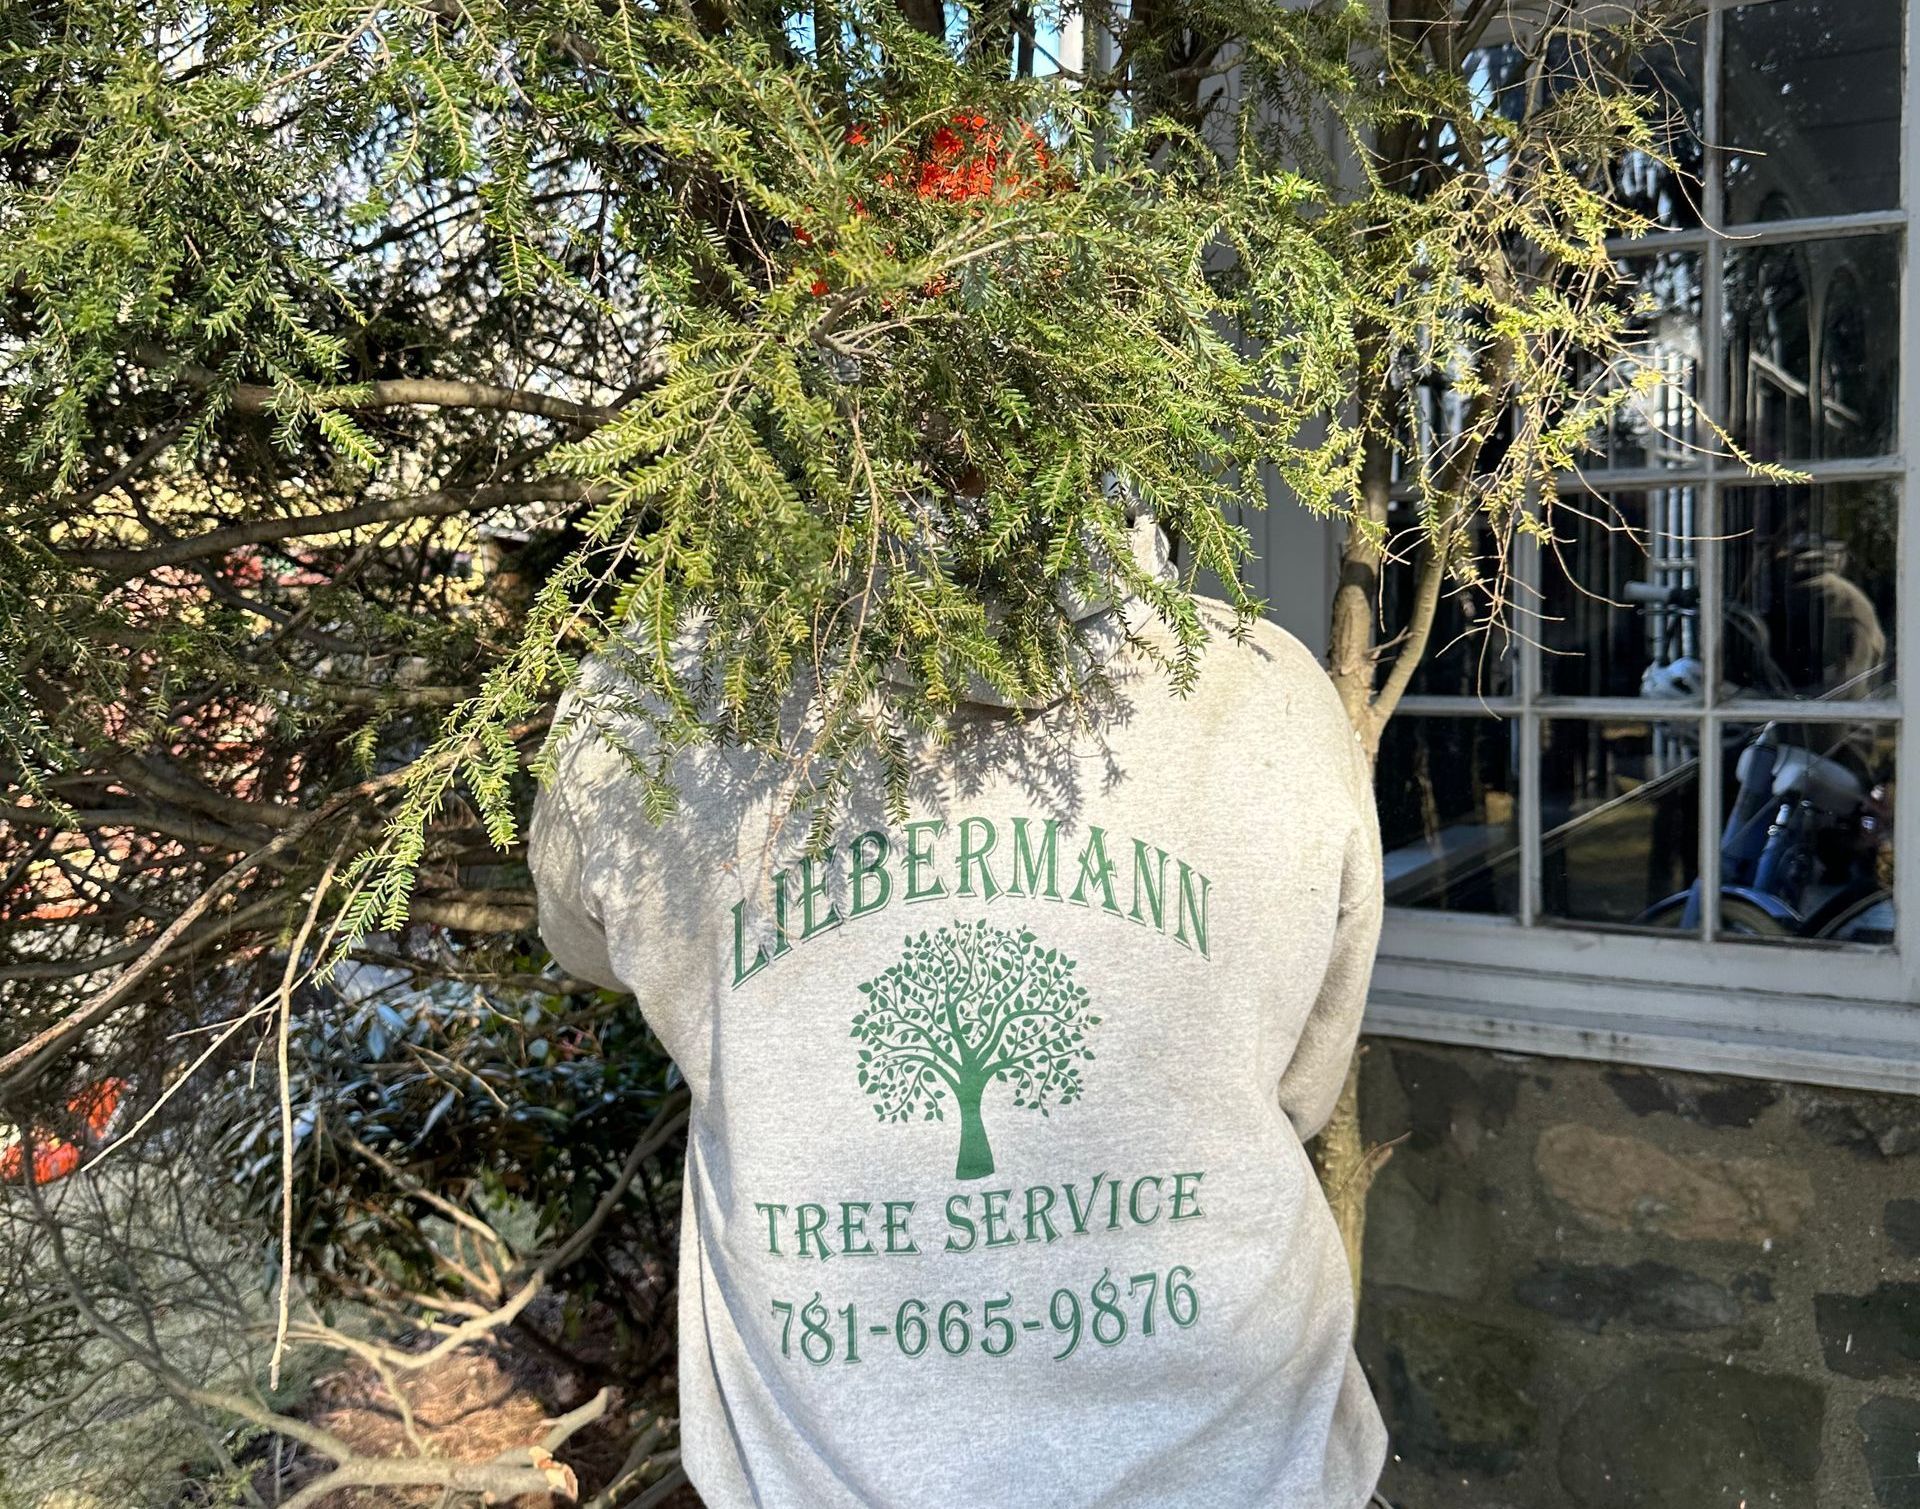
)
(1615, 1288)
(1293, 565)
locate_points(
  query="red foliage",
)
(964, 161)
(55, 1157)
(971, 160)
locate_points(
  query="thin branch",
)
(135, 464)
(1431, 576)
(476, 912)
(435, 505)
(564, 1427)
(385, 393)
(419, 1191)
(192, 943)
(669, 1119)
(283, 1037)
(183, 826)
(524, 1470)
(663, 1490)
(150, 776)
(32, 1057)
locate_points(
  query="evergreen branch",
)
(273, 529)
(380, 393)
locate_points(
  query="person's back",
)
(995, 1189)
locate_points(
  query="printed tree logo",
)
(965, 1007)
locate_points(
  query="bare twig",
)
(283, 1037)
(435, 505)
(31, 1058)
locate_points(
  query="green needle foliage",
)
(845, 425)
(835, 343)
(366, 364)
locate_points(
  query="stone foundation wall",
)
(1614, 1288)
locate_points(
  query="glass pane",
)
(1811, 108)
(1470, 653)
(1504, 78)
(1659, 427)
(1813, 342)
(1448, 814)
(1437, 410)
(1620, 595)
(1806, 847)
(1620, 815)
(1810, 575)
(1668, 193)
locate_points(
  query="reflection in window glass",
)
(1804, 367)
(1813, 347)
(1620, 815)
(1809, 583)
(1620, 597)
(1664, 186)
(1806, 845)
(1810, 94)
(1668, 192)
(1447, 814)
(1658, 427)
(1470, 653)
(1439, 408)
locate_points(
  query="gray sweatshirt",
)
(995, 1190)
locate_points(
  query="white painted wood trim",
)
(1855, 1044)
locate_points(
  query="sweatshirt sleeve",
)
(1311, 1083)
(570, 923)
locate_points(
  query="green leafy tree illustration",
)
(967, 1006)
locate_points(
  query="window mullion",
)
(1707, 523)
(1526, 565)
(1906, 813)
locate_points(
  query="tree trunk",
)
(1340, 1152)
(1346, 1168)
(1356, 600)
(976, 1156)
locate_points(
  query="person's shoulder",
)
(1277, 697)
(1262, 657)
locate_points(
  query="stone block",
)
(1449, 1103)
(1875, 1126)
(1736, 1103)
(1902, 1222)
(1657, 1296)
(1873, 1335)
(1890, 1442)
(1680, 1432)
(1628, 1184)
(1456, 1391)
(1437, 1242)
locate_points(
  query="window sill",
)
(1705, 1018)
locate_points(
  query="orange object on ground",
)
(54, 1157)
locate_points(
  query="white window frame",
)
(1814, 1015)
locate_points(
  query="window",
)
(1659, 819)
